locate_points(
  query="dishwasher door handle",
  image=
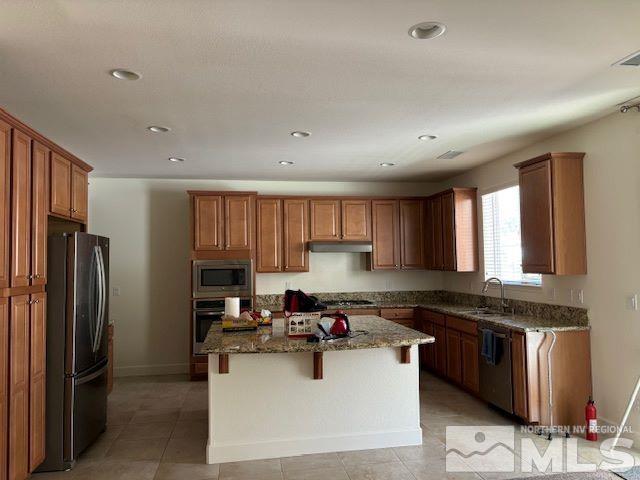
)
(498, 335)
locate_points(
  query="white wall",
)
(148, 223)
(612, 191)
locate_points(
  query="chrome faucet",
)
(503, 302)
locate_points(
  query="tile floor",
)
(157, 431)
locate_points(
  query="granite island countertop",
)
(371, 332)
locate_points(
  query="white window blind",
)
(501, 235)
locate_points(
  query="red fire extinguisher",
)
(591, 416)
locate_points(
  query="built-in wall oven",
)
(208, 311)
(220, 278)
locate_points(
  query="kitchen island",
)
(274, 396)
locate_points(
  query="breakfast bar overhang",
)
(266, 399)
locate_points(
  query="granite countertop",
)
(379, 333)
(518, 322)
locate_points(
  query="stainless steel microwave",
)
(220, 278)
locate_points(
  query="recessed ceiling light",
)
(122, 74)
(427, 137)
(387, 164)
(158, 129)
(285, 162)
(300, 134)
(427, 30)
(176, 159)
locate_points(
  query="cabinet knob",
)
(31, 302)
(29, 277)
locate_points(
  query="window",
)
(501, 235)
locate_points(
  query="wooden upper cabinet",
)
(552, 216)
(208, 222)
(269, 235)
(4, 385)
(5, 208)
(79, 194)
(39, 210)
(356, 220)
(296, 234)
(21, 210)
(325, 219)
(19, 345)
(452, 231)
(448, 232)
(386, 242)
(60, 172)
(238, 220)
(412, 234)
(37, 380)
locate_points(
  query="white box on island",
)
(269, 404)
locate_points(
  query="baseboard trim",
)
(138, 370)
(286, 448)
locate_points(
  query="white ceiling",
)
(233, 78)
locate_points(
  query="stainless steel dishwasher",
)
(495, 380)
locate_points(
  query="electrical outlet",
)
(388, 284)
(571, 295)
(580, 297)
(632, 302)
(552, 293)
(287, 285)
(470, 287)
(115, 291)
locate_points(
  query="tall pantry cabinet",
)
(25, 186)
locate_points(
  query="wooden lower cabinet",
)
(4, 384)
(454, 356)
(403, 316)
(18, 468)
(519, 374)
(470, 367)
(37, 380)
(440, 357)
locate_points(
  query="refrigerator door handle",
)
(97, 309)
(102, 296)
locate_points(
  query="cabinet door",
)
(60, 189)
(470, 368)
(519, 374)
(238, 222)
(39, 211)
(269, 235)
(21, 210)
(436, 233)
(5, 207)
(208, 223)
(325, 219)
(37, 380)
(411, 234)
(386, 244)
(536, 218)
(79, 194)
(4, 385)
(454, 356)
(448, 232)
(19, 388)
(356, 220)
(440, 355)
(296, 234)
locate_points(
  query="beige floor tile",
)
(156, 416)
(149, 449)
(192, 415)
(308, 462)
(185, 450)
(98, 450)
(437, 471)
(141, 431)
(190, 429)
(379, 471)
(252, 470)
(187, 471)
(335, 473)
(121, 470)
(424, 453)
(363, 457)
(120, 417)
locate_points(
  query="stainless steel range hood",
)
(345, 246)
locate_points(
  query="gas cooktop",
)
(347, 302)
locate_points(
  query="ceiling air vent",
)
(450, 154)
(632, 60)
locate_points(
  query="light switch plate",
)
(115, 291)
(580, 297)
(632, 302)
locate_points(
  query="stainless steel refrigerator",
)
(77, 318)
